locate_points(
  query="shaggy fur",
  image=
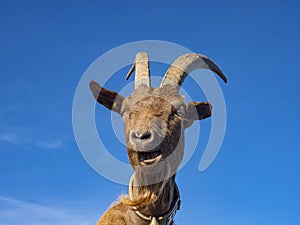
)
(162, 111)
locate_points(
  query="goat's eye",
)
(131, 114)
(180, 111)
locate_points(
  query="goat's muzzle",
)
(144, 140)
(146, 144)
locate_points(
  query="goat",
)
(154, 122)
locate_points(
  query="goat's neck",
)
(164, 192)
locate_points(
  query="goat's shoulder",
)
(118, 214)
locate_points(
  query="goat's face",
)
(155, 118)
(153, 121)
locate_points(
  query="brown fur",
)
(154, 122)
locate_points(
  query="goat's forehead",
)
(145, 96)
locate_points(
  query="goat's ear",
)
(197, 111)
(110, 99)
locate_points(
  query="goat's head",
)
(155, 118)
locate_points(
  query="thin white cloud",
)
(26, 141)
(13, 211)
(50, 144)
(8, 137)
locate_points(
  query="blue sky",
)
(45, 49)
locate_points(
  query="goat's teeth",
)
(149, 160)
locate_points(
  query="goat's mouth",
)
(148, 158)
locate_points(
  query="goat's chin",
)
(155, 172)
(155, 166)
(149, 175)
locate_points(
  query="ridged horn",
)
(185, 64)
(142, 72)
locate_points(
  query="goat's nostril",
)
(141, 135)
(145, 136)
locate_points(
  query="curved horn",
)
(142, 72)
(185, 64)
